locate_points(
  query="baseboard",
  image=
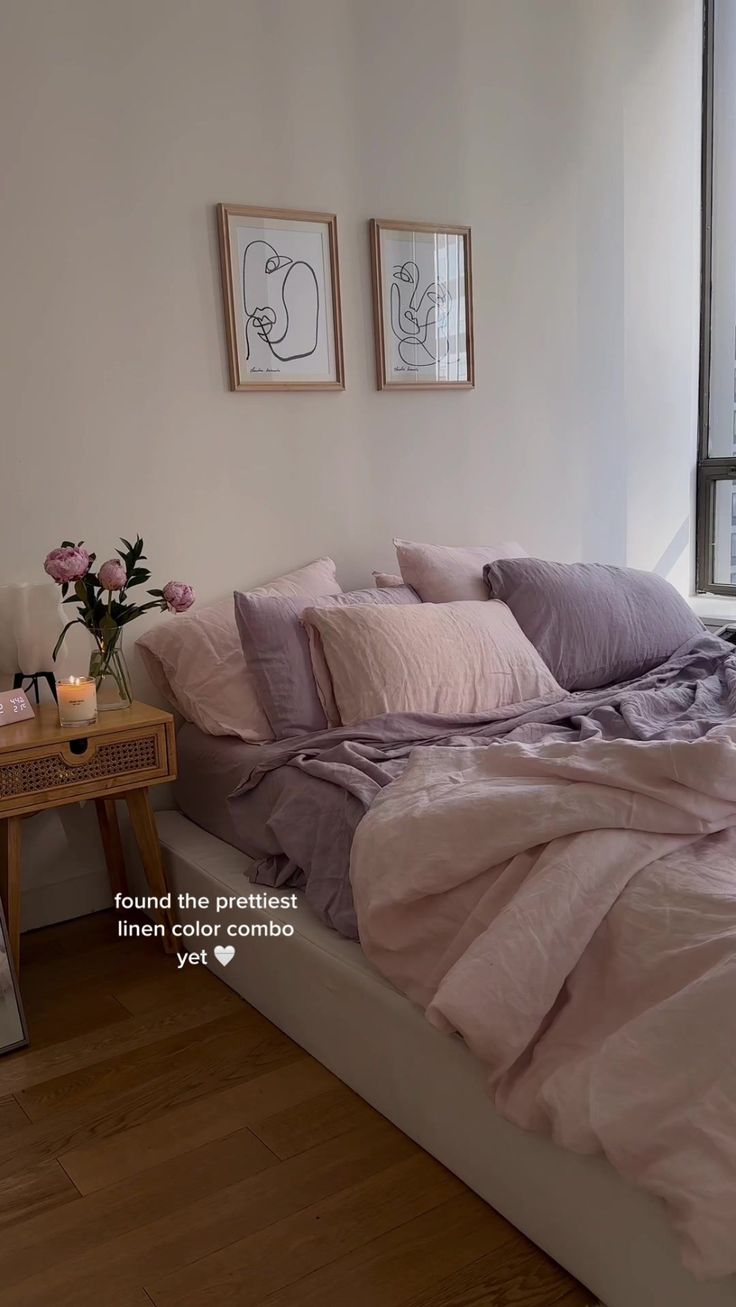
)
(47, 904)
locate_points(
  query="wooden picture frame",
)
(281, 292)
(422, 305)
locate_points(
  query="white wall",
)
(564, 131)
(662, 127)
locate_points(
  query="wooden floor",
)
(161, 1142)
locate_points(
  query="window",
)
(716, 564)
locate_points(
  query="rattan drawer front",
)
(46, 771)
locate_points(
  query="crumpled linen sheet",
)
(570, 909)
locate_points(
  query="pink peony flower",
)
(112, 575)
(178, 596)
(70, 563)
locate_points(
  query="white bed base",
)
(323, 993)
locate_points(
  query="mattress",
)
(320, 989)
(210, 768)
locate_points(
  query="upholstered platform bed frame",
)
(322, 992)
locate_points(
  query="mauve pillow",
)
(440, 574)
(387, 580)
(276, 649)
(467, 657)
(197, 661)
(593, 624)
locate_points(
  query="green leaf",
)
(68, 544)
(91, 585)
(131, 612)
(139, 576)
(146, 608)
(64, 589)
(60, 640)
(108, 630)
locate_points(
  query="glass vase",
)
(110, 671)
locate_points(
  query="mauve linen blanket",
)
(298, 802)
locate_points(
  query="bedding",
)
(571, 912)
(436, 658)
(387, 580)
(593, 624)
(294, 805)
(197, 664)
(443, 573)
(276, 651)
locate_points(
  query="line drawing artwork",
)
(419, 320)
(282, 306)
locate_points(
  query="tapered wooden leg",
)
(10, 847)
(107, 818)
(146, 835)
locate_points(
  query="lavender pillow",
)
(593, 624)
(276, 649)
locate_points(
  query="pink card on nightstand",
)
(14, 707)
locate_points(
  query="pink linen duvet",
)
(570, 909)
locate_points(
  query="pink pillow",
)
(387, 580)
(466, 657)
(441, 574)
(197, 662)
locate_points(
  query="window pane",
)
(724, 554)
(722, 426)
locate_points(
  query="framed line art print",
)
(281, 287)
(423, 305)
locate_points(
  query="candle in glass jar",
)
(77, 697)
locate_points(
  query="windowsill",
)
(714, 606)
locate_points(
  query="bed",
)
(546, 928)
(320, 988)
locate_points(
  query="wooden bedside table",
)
(44, 765)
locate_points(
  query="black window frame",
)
(710, 470)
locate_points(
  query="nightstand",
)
(44, 765)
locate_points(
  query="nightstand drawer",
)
(65, 771)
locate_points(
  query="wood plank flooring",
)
(162, 1143)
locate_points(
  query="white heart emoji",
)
(224, 954)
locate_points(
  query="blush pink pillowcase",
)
(441, 574)
(387, 580)
(464, 657)
(197, 662)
